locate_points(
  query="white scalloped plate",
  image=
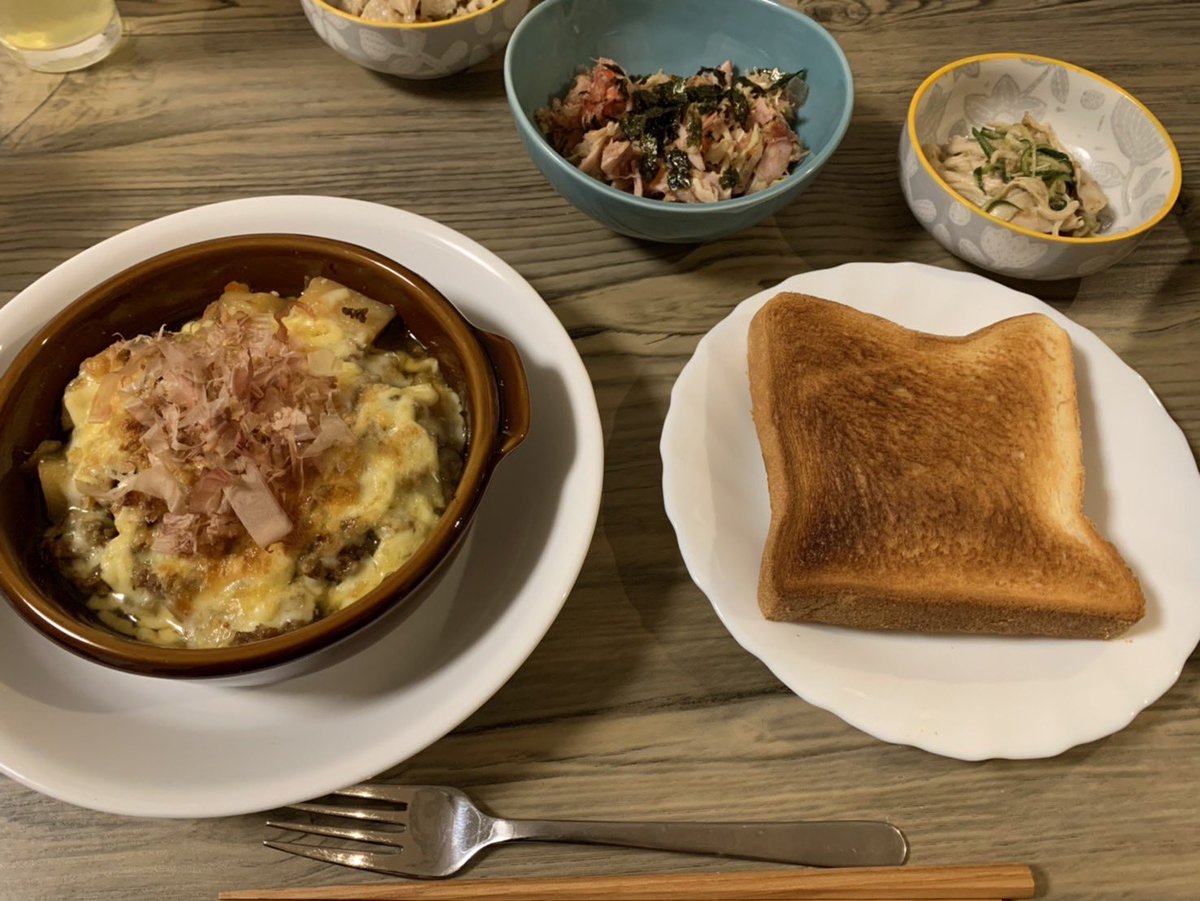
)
(154, 747)
(970, 697)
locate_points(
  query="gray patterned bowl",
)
(420, 50)
(1116, 139)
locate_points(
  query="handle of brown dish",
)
(513, 388)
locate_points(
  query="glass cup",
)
(59, 35)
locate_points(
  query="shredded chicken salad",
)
(1022, 173)
(409, 11)
(712, 136)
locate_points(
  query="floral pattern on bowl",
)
(424, 50)
(1116, 139)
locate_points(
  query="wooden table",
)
(637, 702)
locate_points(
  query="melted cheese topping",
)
(358, 510)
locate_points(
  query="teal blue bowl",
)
(560, 37)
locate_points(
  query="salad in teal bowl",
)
(677, 120)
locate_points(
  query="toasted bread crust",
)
(924, 482)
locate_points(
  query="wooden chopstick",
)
(963, 883)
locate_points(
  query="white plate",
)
(148, 747)
(968, 697)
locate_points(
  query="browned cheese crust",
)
(927, 483)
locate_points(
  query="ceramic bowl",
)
(170, 289)
(1116, 139)
(559, 38)
(421, 50)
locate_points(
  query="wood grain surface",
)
(637, 702)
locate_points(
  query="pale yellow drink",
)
(59, 35)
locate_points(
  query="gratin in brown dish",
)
(927, 483)
(483, 370)
(261, 467)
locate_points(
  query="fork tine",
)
(359, 835)
(359, 860)
(381, 791)
(399, 817)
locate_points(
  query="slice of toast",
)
(927, 483)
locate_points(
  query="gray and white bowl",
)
(1115, 138)
(420, 50)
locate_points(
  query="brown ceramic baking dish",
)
(484, 369)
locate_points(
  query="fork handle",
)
(848, 843)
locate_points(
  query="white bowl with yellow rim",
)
(419, 50)
(1113, 136)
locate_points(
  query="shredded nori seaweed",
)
(695, 127)
(679, 170)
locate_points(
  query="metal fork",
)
(438, 829)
